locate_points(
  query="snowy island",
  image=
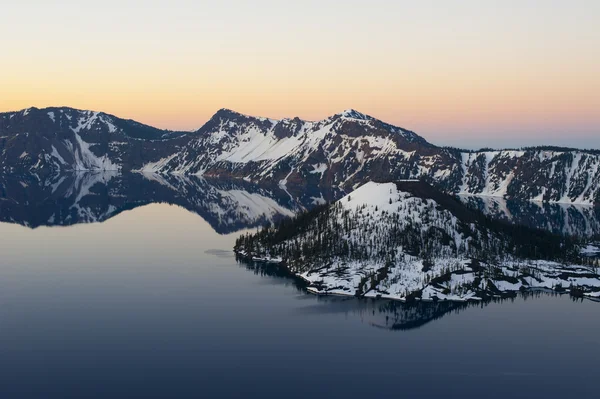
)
(408, 241)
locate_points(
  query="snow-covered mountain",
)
(535, 174)
(338, 151)
(350, 148)
(53, 140)
(559, 218)
(341, 152)
(408, 240)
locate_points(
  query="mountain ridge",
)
(342, 151)
(346, 111)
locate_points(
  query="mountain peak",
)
(226, 112)
(346, 114)
(354, 114)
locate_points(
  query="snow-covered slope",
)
(342, 151)
(350, 148)
(290, 150)
(407, 240)
(52, 140)
(559, 218)
(537, 174)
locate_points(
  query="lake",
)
(149, 301)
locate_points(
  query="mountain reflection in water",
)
(232, 206)
(227, 205)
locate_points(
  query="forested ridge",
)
(333, 230)
(375, 239)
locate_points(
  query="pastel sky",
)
(469, 73)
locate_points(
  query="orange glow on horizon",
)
(463, 71)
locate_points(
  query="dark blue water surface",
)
(152, 303)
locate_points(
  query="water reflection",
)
(380, 313)
(152, 304)
(231, 206)
(228, 206)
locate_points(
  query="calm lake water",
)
(152, 303)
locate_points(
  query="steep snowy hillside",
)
(330, 152)
(340, 152)
(51, 140)
(350, 148)
(536, 174)
(558, 218)
(407, 240)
